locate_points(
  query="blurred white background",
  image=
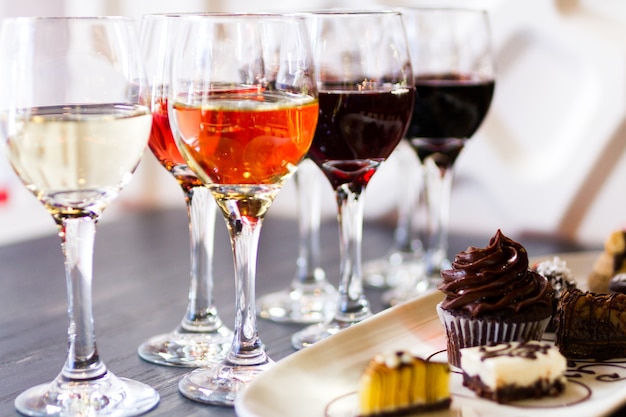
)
(549, 159)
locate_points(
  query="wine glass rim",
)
(204, 15)
(442, 8)
(350, 12)
(24, 19)
(69, 18)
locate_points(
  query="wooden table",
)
(141, 279)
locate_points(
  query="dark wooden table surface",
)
(140, 287)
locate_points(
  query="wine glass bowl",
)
(75, 124)
(243, 110)
(455, 80)
(365, 85)
(201, 338)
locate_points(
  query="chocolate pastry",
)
(591, 325)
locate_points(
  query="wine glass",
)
(201, 338)
(75, 123)
(243, 110)
(366, 95)
(404, 261)
(310, 298)
(454, 79)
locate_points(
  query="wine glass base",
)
(105, 396)
(192, 350)
(401, 294)
(316, 332)
(299, 304)
(220, 384)
(375, 274)
(398, 269)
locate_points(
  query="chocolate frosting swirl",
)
(494, 279)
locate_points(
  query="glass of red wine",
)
(454, 74)
(310, 298)
(243, 109)
(366, 96)
(201, 338)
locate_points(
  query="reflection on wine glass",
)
(244, 109)
(201, 338)
(454, 80)
(403, 264)
(310, 298)
(75, 125)
(366, 94)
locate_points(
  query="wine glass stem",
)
(438, 188)
(246, 348)
(406, 233)
(353, 306)
(77, 241)
(201, 315)
(308, 192)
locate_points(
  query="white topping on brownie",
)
(516, 363)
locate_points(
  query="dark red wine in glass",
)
(358, 130)
(448, 110)
(366, 96)
(454, 73)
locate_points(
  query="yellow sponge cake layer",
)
(398, 381)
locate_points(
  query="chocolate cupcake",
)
(491, 296)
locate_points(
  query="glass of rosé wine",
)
(201, 338)
(243, 107)
(455, 80)
(75, 122)
(366, 94)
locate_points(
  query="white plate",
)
(320, 380)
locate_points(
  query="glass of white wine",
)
(75, 123)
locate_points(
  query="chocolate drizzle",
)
(494, 279)
(524, 350)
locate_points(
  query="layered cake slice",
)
(513, 371)
(398, 382)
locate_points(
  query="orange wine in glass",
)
(244, 110)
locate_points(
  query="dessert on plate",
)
(492, 296)
(561, 278)
(610, 262)
(590, 325)
(514, 371)
(397, 383)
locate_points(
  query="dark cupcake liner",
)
(462, 332)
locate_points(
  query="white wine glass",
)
(201, 338)
(366, 94)
(310, 298)
(244, 109)
(455, 80)
(75, 123)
